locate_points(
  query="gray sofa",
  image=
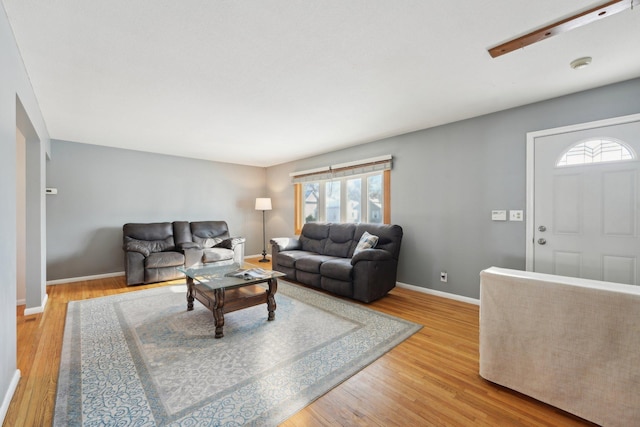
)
(323, 257)
(154, 251)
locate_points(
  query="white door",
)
(586, 203)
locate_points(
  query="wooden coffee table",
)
(221, 293)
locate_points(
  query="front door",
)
(586, 202)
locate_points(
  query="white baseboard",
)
(21, 301)
(13, 385)
(439, 293)
(83, 278)
(399, 284)
(36, 310)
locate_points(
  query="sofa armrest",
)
(374, 274)
(137, 246)
(237, 245)
(286, 243)
(134, 267)
(371, 255)
(189, 245)
(192, 256)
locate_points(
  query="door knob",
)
(542, 228)
(541, 241)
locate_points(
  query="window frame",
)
(386, 197)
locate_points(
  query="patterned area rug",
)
(140, 359)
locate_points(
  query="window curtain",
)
(342, 170)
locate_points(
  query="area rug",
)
(142, 359)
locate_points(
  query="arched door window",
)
(596, 150)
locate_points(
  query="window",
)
(596, 150)
(354, 200)
(352, 193)
(332, 202)
(311, 202)
(375, 199)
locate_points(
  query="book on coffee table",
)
(251, 273)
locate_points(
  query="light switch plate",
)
(498, 215)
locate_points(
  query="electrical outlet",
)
(443, 276)
(515, 215)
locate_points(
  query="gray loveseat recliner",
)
(208, 242)
(323, 257)
(154, 251)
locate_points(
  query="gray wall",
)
(446, 180)
(100, 189)
(18, 109)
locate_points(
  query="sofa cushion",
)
(210, 229)
(340, 269)
(148, 232)
(164, 259)
(340, 239)
(181, 233)
(367, 241)
(289, 258)
(312, 263)
(207, 242)
(313, 237)
(149, 245)
(216, 254)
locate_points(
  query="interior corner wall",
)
(102, 188)
(15, 92)
(36, 286)
(21, 217)
(446, 181)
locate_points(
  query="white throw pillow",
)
(367, 241)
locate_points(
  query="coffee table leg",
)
(189, 294)
(271, 300)
(218, 314)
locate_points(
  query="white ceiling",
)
(262, 82)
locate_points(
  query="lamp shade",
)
(263, 204)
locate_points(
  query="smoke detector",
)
(580, 62)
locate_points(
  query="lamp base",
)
(264, 260)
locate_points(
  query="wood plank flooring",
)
(431, 379)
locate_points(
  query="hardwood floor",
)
(431, 379)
